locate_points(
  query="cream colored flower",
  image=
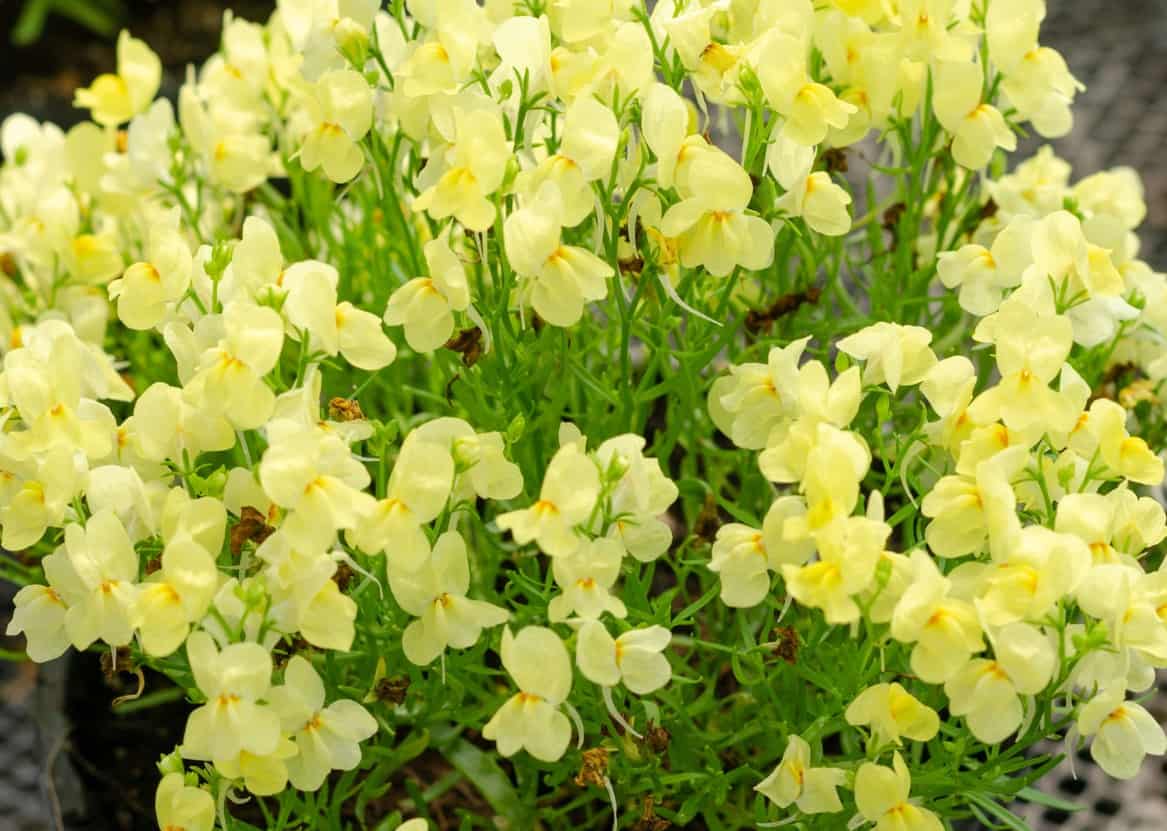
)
(460, 182)
(812, 196)
(978, 128)
(178, 805)
(180, 592)
(418, 490)
(531, 719)
(895, 355)
(148, 290)
(1124, 733)
(893, 713)
(881, 795)
(106, 566)
(813, 790)
(558, 279)
(568, 496)
(436, 595)
(234, 681)
(945, 629)
(634, 658)
(340, 109)
(988, 692)
(425, 305)
(326, 737)
(116, 98)
(585, 579)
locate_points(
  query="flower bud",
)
(170, 763)
(516, 429)
(466, 452)
(352, 40)
(617, 467)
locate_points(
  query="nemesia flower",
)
(336, 328)
(39, 611)
(978, 128)
(531, 720)
(634, 658)
(234, 680)
(262, 775)
(340, 109)
(756, 397)
(813, 790)
(1031, 350)
(944, 629)
(987, 691)
(106, 570)
(848, 550)
(570, 488)
(436, 593)
(166, 425)
(559, 278)
(326, 737)
(1123, 733)
(639, 498)
(893, 712)
(881, 795)
(179, 805)
(1037, 82)
(299, 581)
(744, 557)
(895, 355)
(418, 490)
(1128, 456)
(228, 377)
(480, 462)
(586, 579)
(425, 305)
(809, 108)
(813, 196)
(460, 183)
(116, 98)
(1037, 569)
(710, 224)
(312, 474)
(180, 592)
(146, 289)
(984, 275)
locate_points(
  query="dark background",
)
(1118, 48)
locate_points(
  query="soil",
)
(116, 755)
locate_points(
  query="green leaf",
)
(1037, 797)
(486, 775)
(999, 812)
(31, 23)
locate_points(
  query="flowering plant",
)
(669, 418)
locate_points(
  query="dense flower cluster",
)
(216, 458)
